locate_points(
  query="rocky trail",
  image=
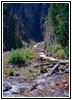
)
(52, 80)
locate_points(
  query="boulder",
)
(7, 87)
(17, 74)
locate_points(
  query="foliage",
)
(19, 43)
(9, 29)
(42, 20)
(60, 53)
(56, 48)
(29, 53)
(57, 51)
(6, 72)
(11, 71)
(35, 74)
(20, 57)
(27, 45)
(17, 57)
(59, 19)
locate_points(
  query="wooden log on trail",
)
(63, 63)
(40, 65)
(53, 62)
(52, 70)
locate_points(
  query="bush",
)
(29, 53)
(66, 49)
(17, 57)
(20, 57)
(57, 51)
(27, 45)
(11, 71)
(19, 43)
(56, 48)
(6, 72)
(60, 54)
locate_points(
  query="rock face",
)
(22, 22)
(49, 36)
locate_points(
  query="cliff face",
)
(30, 15)
(49, 37)
(22, 22)
(25, 22)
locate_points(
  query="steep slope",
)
(22, 22)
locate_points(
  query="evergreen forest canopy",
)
(58, 16)
(14, 25)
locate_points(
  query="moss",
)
(35, 74)
(48, 75)
(48, 60)
(6, 72)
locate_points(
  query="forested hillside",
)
(58, 21)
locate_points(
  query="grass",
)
(9, 71)
(17, 58)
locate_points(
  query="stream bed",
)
(55, 85)
(45, 86)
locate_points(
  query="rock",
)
(31, 71)
(43, 70)
(40, 87)
(15, 89)
(7, 87)
(11, 74)
(66, 70)
(17, 74)
(50, 66)
(41, 81)
(22, 90)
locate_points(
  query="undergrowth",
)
(21, 57)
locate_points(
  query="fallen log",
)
(52, 70)
(63, 63)
(40, 65)
(53, 62)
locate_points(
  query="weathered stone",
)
(7, 87)
(17, 74)
(43, 70)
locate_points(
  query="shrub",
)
(27, 45)
(56, 48)
(6, 72)
(60, 54)
(20, 57)
(17, 57)
(66, 49)
(11, 71)
(19, 43)
(29, 53)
